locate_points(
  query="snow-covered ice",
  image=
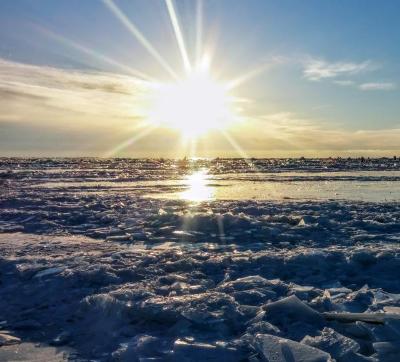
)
(96, 267)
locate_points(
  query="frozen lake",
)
(230, 260)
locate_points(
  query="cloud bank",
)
(43, 94)
(47, 111)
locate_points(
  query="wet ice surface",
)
(355, 186)
(90, 263)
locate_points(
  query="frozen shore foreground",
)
(102, 273)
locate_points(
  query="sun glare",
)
(193, 105)
(197, 188)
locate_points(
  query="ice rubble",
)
(336, 344)
(278, 349)
(118, 277)
(115, 302)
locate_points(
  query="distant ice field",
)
(200, 185)
(352, 186)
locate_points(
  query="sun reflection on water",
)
(198, 189)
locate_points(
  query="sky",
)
(311, 78)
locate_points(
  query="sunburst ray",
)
(199, 30)
(238, 149)
(139, 36)
(130, 141)
(178, 34)
(101, 57)
(243, 78)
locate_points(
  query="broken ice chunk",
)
(278, 349)
(292, 308)
(247, 283)
(253, 296)
(263, 327)
(387, 351)
(141, 348)
(379, 318)
(196, 351)
(306, 220)
(50, 271)
(390, 309)
(61, 339)
(182, 233)
(129, 222)
(303, 291)
(7, 340)
(330, 341)
(119, 238)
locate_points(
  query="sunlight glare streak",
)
(238, 149)
(188, 147)
(248, 76)
(193, 147)
(139, 36)
(95, 54)
(199, 28)
(220, 222)
(178, 34)
(129, 142)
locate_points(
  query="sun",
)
(193, 105)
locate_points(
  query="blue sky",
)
(334, 72)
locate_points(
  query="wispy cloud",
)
(287, 133)
(41, 93)
(345, 83)
(317, 69)
(54, 111)
(377, 86)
